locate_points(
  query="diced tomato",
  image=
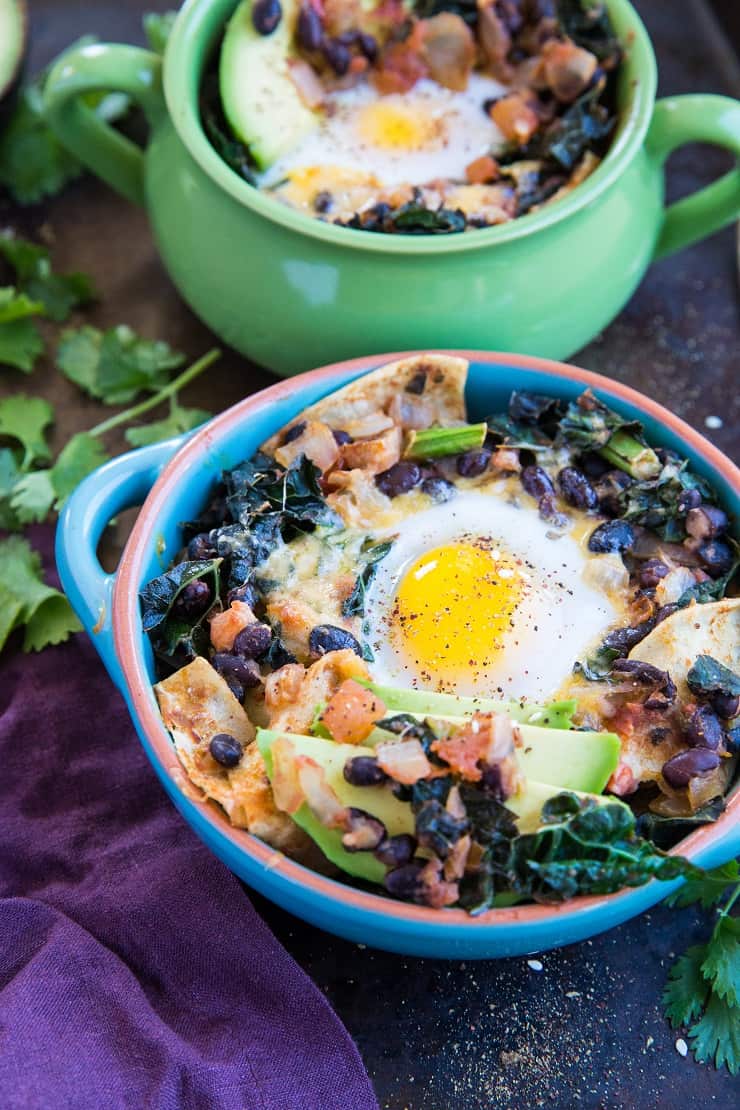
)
(482, 170)
(351, 713)
(226, 626)
(403, 760)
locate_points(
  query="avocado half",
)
(13, 41)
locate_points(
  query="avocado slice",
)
(565, 758)
(424, 703)
(260, 101)
(381, 803)
(12, 42)
(376, 800)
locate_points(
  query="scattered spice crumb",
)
(535, 965)
(681, 1047)
(650, 1042)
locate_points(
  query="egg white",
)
(558, 617)
(453, 126)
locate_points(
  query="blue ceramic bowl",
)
(171, 481)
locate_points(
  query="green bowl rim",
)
(182, 72)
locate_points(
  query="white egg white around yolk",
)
(481, 597)
(412, 138)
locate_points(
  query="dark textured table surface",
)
(585, 1029)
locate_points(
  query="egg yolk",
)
(453, 609)
(395, 127)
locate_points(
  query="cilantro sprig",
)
(703, 988)
(27, 602)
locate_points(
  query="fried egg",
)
(383, 141)
(480, 597)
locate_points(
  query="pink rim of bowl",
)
(127, 635)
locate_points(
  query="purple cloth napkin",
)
(134, 971)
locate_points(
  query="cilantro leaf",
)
(722, 963)
(58, 293)
(20, 342)
(33, 497)
(707, 888)
(157, 28)
(179, 420)
(115, 365)
(686, 990)
(78, 458)
(716, 1038)
(25, 419)
(25, 599)
(33, 163)
(10, 472)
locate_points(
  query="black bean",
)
(266, 15)
(706, 522)
(473, 463)
(613, 535)
(732, 740)
(247, 593)
(225, 749)
(395, 851)
(576, 488)
(323, 201)
(337, 55)
(364, 770)
(405, 881)
(244, 671)
(682, 768)
(489, 103)
(438, 488)
(725, 705)
(202, 547)
(417, 384)
(309, 28)
(364, 833)
(639, 671)
(236, 687)
(253, 641)
(703, 729)
(492, 782)
(341, 437)
(651, 572)
(537, 482)
(594, 466)
(717, 557)
(688, 499)
(398, 479)
(327, 637)
(192, 600)
(368, 45)
(294, 432)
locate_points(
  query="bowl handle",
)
(104, 67)
(696, 119)
(120, 484)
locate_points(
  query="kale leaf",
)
(590, 27)
(586, 848)
(589, 424)
(656, 503)
(708, 676)
(713, 589)
(583, 126)
(159, 595)
(665, 831)
(354, 605)
(234, 153)
(262, 486)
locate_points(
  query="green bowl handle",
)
(96, 68)
(696, 119)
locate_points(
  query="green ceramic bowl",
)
(292, 292)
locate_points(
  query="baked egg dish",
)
(465, 658)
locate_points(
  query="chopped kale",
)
(713, 589)
(177, 636)
(261, 486)
(354, 606)
(412, 218)
(665, 831)
(590, 27)
(437, 829)
(586, 848)
(657, 503)
(159, 595)
(708, 676)
(235, 154)
(277, 654)
(588, 424)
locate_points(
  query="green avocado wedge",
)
(12, 42)
(566, 758)
(380, 802)
(423, 703)
(260, 101)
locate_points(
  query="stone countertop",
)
(582, 1026)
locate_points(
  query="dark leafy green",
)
(437, 829)
(354, 606)
(589, 424)
(667, 831)
(708, 676)
(714, 589)
(466, 9)
(585, 125)
(590, 27)
(159, 595)
(262, 486)
(234, 153)
(655, 502)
